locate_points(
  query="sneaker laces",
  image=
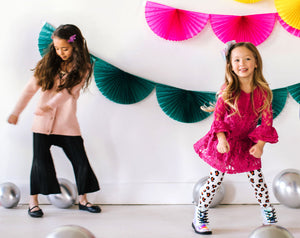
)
(202, 216)
(270, 215)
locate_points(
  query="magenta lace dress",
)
(241, 132)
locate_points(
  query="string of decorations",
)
(179, 104)
(177, 25)
(248, 1)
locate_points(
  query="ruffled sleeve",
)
(219, 125)
(265, 132)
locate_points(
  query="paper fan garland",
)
(294, 90)
(45, 38)
(174, 24)
(114, 83)
(119, 86)
(289, 11)
(251, 28)
(248, 1)
(183, 105)
(279, 100)
(179, 104)
(288, 28)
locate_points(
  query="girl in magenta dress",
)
(235, 141)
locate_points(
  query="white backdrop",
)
(139, 154)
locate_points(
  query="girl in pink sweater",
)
(234, 143)
(60, 75)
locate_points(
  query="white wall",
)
(138, 153)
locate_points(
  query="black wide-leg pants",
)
(43, 178)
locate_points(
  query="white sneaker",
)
(269, 215)
(200, 221)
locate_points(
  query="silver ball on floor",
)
(70, 231)
(286, 187)
(9, 195)
(67, 197)
(217, 198)
(270, 231)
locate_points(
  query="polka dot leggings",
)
(209, 189)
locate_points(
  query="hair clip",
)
(227, 47)
(72, 38)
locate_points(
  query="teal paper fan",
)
(93, 58)
(184, 105)
(279, 100)
(119, 86)
(45, 38)
(294, 90)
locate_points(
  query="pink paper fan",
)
(287, 27)
(174, 24)
(251, 28)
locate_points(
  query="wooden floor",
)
(143, 221)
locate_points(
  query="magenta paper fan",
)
(174, 24)
(251, 28)
(289, 28)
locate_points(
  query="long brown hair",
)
(231, 90)
(49, 66)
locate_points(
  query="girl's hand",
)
(13, 119)
(223, 146)
(41, 110)
(257, 149)
(46, 108)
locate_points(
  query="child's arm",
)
(223, 146)
(257, 149)
(263, 133)
(30, 89)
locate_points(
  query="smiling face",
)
(243, 62)
(63, 48)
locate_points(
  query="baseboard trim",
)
(157, 193)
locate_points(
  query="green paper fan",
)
(45, 38)
(119, 86)
(184, 105)
(279, 100)
(294, 90)
(93, 58)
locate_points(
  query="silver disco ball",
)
(220, 193)
(270, 231)
(67, 197)
(9, 195)
(286, 187)
(70, 231)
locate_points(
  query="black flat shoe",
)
(38, 213)
(93, 209)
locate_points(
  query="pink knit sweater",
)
(62, 119)
(241, 133)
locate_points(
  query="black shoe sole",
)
(201, 233)
(92, 209)
(36, 214)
